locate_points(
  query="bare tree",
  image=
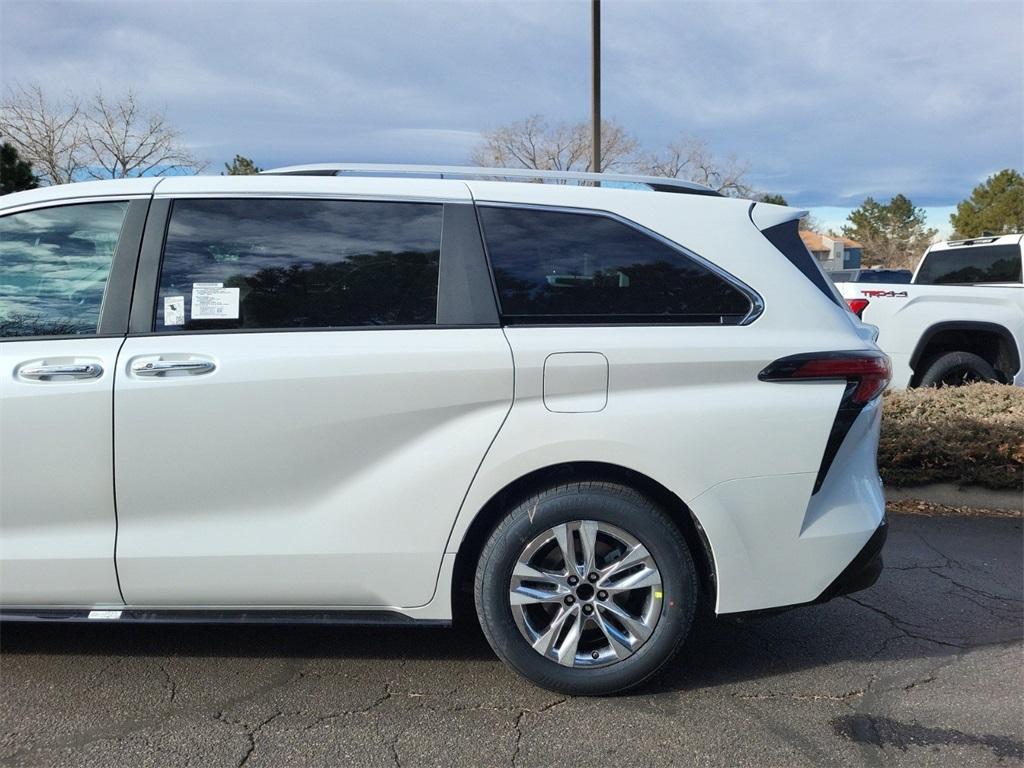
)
(67, 141)
(49, 136)
(124, 140)
(691, 158)
(534, 143)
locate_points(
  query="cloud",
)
(829, 101)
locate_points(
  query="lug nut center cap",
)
(585, 592)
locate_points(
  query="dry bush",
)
(971, 435)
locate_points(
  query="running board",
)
(154, 616)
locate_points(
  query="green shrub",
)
(971, 435)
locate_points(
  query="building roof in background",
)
(815, 241)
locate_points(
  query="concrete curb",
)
(953, 496)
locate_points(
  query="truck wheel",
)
(956, 368)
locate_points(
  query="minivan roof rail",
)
(656, 183)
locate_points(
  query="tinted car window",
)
(54, 264)
(275, 263)
(984, 264)
(884, 276)
(551, 266)
(843, 275)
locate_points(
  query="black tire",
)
(616, 506)
(957, 368)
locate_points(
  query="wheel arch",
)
(488, 516)
(990, 341)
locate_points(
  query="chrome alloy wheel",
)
(585, 594)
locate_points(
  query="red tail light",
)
(866, 372)
(857, 306)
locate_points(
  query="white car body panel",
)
(809, 539)
(56, 468)
(122, 189)
(678, 389)
(319, 468)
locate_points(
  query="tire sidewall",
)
(940, 366)
(632, 514)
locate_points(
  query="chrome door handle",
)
(159, 367)
(67, 370)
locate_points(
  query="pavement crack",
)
(321, 719)
(169, 683)
(973, 590)
(251, 732)
(901, 626)
(768, 695)
(518, 723)
(924, 681)
(519, 737)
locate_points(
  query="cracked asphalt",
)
(923, 669)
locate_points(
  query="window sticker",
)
(174, 310)
(212, 301)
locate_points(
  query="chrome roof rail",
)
(656, 183)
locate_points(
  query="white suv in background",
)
(340, 393)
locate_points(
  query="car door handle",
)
(65, 370)
(161, 367)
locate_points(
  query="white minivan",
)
(361, 394)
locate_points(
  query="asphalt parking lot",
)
(926, 668)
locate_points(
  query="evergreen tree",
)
(241, 166)
(15, 173)
(995, 206)
(893, 234)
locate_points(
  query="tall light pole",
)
(595, 96)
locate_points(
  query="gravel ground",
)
(923, 669)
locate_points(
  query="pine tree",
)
(241, 166)
(893, 234)
(15, 173)
(995, 206)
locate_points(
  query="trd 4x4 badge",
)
(884, 294)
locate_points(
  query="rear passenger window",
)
(54, 264)
(278, 263)
(554, 267)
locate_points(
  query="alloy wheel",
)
(585, 594)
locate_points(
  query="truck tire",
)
(956, 368)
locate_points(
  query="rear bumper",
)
(863, 571)
(777, 544)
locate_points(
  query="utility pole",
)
(595, 96)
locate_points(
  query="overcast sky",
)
(828, 101)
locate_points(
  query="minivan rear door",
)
(314, 375)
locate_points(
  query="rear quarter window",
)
(554, 267)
